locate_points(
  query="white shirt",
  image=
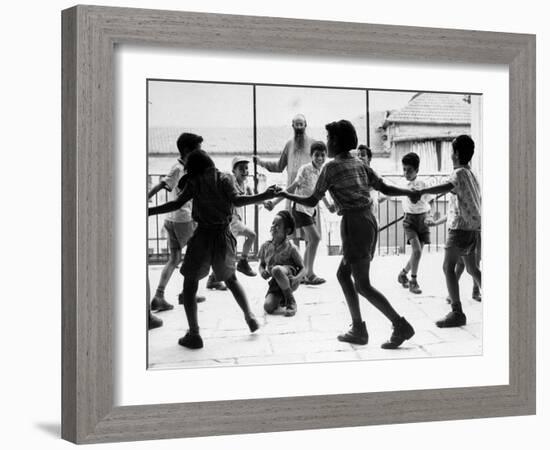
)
(420, 207)
(171, 181)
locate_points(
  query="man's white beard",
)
(299, 139)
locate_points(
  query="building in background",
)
(427, 125)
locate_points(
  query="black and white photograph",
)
(302, 224)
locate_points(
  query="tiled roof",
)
(433, 108)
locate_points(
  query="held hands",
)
(273, 191)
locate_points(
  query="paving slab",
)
(322, 314)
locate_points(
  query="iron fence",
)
(388, 211)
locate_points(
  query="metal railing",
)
(391, 238)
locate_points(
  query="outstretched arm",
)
(392, 191)
(158, 187)
(243, 200)
(438, 189)
(174, 205)
(274, 166)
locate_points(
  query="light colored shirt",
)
(465, 204)
(242, 189)
(349, 181)
(171, 184)
(306, 179)
(292, 158)
(423, 205)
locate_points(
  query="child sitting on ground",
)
(464, 222)
(414, 223)
(349, 181)
(304, 216)
(280, 259)
(237, 226)
(212, 244)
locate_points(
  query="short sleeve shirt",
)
(285, 254)
(465, 206)
(306, 179)
(171, 183)
(349, 181)
(213, 194)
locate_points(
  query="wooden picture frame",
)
(90, 34)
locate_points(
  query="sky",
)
(184, 104)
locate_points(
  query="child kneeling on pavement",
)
(280, 260)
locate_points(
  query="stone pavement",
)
(310, 336)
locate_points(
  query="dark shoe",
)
(402, 331)
(291, 308)
(191, 340)
(314, 280)
(244, 267)
(402, 279)
(159, 304)
(476, 295)
(414, 287)
(199, 298)
(453, 319)
(154, 322)
(213, 284)
(355, 335)
(253, 324)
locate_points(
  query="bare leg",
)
(250, 237)
(168, 270)
(190, 286)
(272, 302)
(360, 271)
(473, 268)
(312, 244)
(416, 254)
(459, 269)
(240, 296)
(452, 256)
(352, 299)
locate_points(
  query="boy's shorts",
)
(179, 233)
(274, 288)
(301, 219)
(465, 241)
(237, 226)
(359, 233)
(415, 226)
(210, 248)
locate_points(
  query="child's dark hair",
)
(197, 162)
(344, 132)
(411, 159)
(368, 151)
(317, 146)
(464, 146)
(187, 142)
(287, 220)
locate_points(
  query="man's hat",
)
(237, 160)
